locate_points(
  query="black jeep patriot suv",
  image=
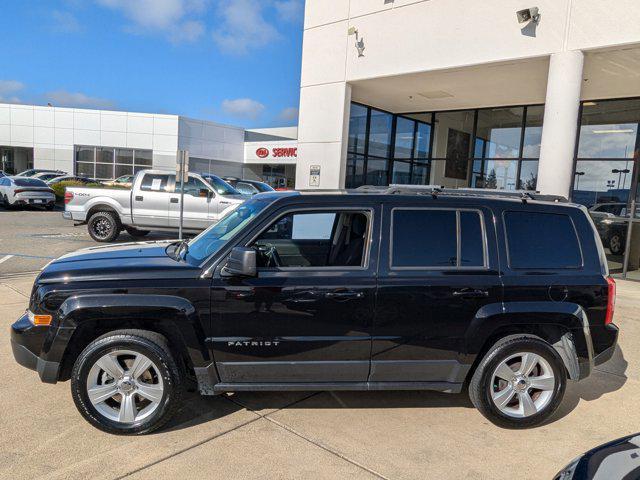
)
(405, 288)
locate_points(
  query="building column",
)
(560, 123)
(323, 136)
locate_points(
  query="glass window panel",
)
(423, 137)
(542, 240)
(500, 174)
(533, 132)
(404, 137)
(380, 133)
(420, 174)
(602, 182)
(377, 170)
(401, 172)
(608, 129)
(501, 129)
(471, 238)
(355, 171)
(124, 156)
(85, 169)
(452, 141)
(144, 157)
(104, 155)
(85, 154)
(357, 128)
(424, 238)
(123, 170)
(155, 183)
(104, 171)
(528, 175)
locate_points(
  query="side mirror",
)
(241, 263)
(204, 193)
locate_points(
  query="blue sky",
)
(231, 61)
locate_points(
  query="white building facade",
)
(462, 94)
(107, 144)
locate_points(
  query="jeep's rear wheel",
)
(104, 226)
(519, 383)
(127, 382)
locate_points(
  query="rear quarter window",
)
(537, 240)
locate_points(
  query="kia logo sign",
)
(262, 152)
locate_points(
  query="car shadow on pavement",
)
(605, 378)
(197, 409)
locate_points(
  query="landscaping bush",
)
(59, 188)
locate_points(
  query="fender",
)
(169, 312)
(563, 324)
(111, 204)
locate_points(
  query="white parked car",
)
(46, 176)
(23, 191)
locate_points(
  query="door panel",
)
(422, 315)
(199, 211)
(150, 202)
(309, 324)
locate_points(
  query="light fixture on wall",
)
(528, 15)
(359, 40)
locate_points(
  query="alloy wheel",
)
(125, 386)
(102, 227)
(522, 385)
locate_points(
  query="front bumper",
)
(27, 341)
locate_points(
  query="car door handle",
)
(470, 293)
(343, 295)
(175, 200)
(139, 198)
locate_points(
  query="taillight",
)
(611, 300)
(68, 196)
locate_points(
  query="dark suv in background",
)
(374, 289)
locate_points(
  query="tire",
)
(134, 232)
(163, 381)
(616, 243)
(485, 387)
(104, 226)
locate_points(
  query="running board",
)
(355, 386)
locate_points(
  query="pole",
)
(627, 247)
(183, 159)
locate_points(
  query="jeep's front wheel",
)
(519, 383)
(127, 382)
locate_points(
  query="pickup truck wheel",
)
(104, 226)
(127, 382)
(519, 383)
(134, 232)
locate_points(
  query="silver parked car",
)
(23, 191)
(153, 203)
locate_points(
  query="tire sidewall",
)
(95, 351)
(528, 345)
(113, 232)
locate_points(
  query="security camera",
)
(528, 15)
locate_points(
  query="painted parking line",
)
(22, 255)
(5, 258)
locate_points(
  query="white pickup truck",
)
(152, 203)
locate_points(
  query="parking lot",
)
(391, 435)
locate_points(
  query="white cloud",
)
(243, 108)
(64, 22)
(170, 17)
(243, 26)
(289, 10)
(288, 114)
(9, 90)
(62, 98)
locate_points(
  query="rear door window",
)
(542, 240)
(155, 183)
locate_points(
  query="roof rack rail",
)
(435, 190)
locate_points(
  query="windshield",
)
(29, 182)
(213, 238)
(263, 187)
(220, 186)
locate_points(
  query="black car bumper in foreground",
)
(26, 343)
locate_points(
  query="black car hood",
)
(118, 262)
